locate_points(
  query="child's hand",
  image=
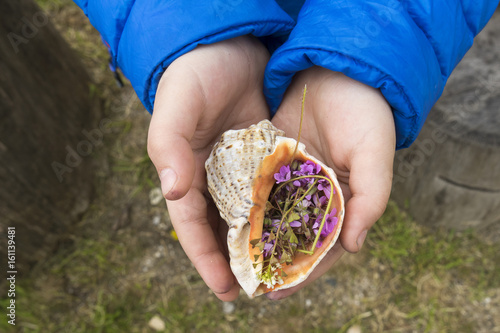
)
(350, 127)
(202, 94)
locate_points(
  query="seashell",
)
(240, 177)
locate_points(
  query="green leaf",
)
(254, 242)
(290, 236)
(293, 217)
(286, 257)
(313, 190)
(256, 257)
(293, 238)
(286, 236)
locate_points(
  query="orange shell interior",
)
(263, 184)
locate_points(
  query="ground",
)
(123, 270)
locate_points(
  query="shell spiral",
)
(241, 152)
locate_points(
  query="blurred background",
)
(95, 250)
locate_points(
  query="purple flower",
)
(308, 168)
(304, 204)
(268, 248)
(317, 224)
(325, 189)
(275, 223)
(295, 224)
(324, 185)
(284, 174)
(330, 223)
(302, 182)
(319, 201)
(317, 168)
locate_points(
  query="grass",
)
(410, 249)
(140, 169)
(427, 268)
(118, 268)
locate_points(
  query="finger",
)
(198, 239)
(370, 186)
(331, 258)
(178, 107)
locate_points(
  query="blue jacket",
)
(406, 48)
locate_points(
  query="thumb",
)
(370, 183)
(173, 124)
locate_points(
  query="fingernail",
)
(168, 178)
(361, 239)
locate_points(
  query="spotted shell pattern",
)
(241, 153)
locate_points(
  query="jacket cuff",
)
(377, 44)
(158, 32)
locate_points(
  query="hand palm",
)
(203, 93)
(349, 126)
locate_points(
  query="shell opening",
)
(297, 217)
(288, 246)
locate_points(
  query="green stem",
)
(316, 239)
(287, 211)
(324, 215)
(300, 124)
(293, 206)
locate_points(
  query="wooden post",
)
(450, 176)
(48, 131)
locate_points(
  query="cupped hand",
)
(350, 127)
(200, 95)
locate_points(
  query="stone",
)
(156, 323)
(450, 176)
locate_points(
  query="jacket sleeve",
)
(407, 49)
(145, 36)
